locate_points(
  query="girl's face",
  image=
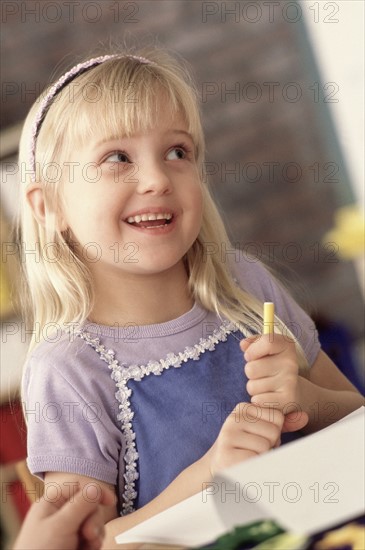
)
(135, 204)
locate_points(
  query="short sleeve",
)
(68, 426)
(254, 278)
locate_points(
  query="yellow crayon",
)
(269, 312)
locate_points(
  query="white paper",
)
(189, 523)
(306, 486)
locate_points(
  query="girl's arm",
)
(327, 395)
(243, 435)
(188, 483)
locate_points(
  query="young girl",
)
(147, 371)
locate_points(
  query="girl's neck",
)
(141, 299)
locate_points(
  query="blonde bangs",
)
(117, 99)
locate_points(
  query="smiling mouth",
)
(150, 221)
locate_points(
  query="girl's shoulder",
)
(252, 275)
(60, 355)
(256, 278)
(55, 348)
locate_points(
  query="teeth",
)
(148, 217)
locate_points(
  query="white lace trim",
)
(121, 374)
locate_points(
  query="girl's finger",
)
(268, 344)
(246, 342)
(75, 511)
(95, 544)
(93, 526)
(262, 428)
(249, 413)
(295, 421)
(270, 400)
(108, 497)
(46, 507)
(265, 433)
(263, 385)
(253, 442)
(270, 366)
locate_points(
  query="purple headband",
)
(57, 87)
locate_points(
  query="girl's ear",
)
(35, 198)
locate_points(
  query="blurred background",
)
(281, 88)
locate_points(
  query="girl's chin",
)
(155, 265)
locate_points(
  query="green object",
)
(251, 534)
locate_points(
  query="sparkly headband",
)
(57, 87)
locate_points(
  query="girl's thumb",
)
(295, 421)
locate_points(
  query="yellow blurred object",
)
(352, 535)
(34, 488)
(348, 232)
(6, 306)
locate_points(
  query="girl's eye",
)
(118, 156)
(177, 153)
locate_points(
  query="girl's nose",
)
(152, 178)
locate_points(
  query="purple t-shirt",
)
(133, 406)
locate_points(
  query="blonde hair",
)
(60, 291)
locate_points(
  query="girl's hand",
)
(75, 524)
(248, 431)
(273, 376)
